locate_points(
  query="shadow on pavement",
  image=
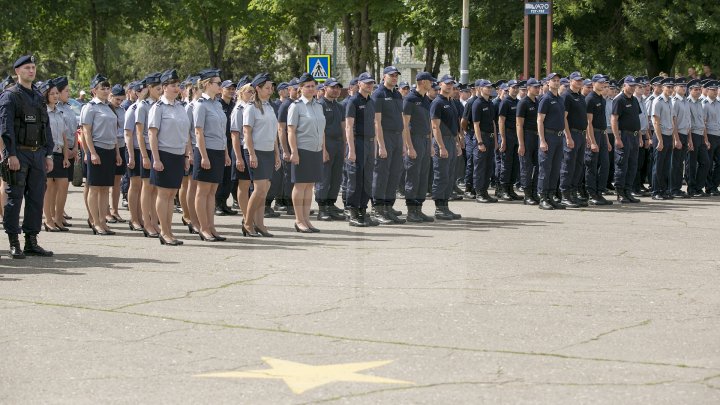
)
(64, 264)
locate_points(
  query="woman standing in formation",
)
(57, 182)
(72, 125)
(260, 126)
(188, 188)
(168, 127)
(134, 158)
(100, 136)
(117, 96)
(210, 154)
(306, 137)
(149, 193)
(241, 173)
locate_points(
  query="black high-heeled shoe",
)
(66, 216)
(62, 228)
(313, 229)
(50, 229)
(265, 234)
(245, 232)
(111, 220)
(207, 239)
(219, 238)
(297, 228)
(101, 232)
(118, 218)
(184, 221)
(132, 227)
(150, 235)
(67, 224)
(90, 225)
(171, 242)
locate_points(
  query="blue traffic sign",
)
(318, 66)
(538, 8)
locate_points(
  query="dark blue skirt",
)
(58, 171)
(309, 170)
(217, 166)
(173, 169)
(237, 174)
(265, 166)
(144, 173)
(102, 175)
(120, 170)
(135, 171)
(71, 170)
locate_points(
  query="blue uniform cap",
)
(97, 79)
(209, 73)
(694, 83)
(138, 85)
(551, 76)
(281, 86)
(168, 76)
(587, 82)
(390, 70)
(402, 85)
(260, 79)
(245, 80)
(117, 90)
(575, 76)
(306, 77)
(321, 86)
(353, 81)
(680, 81)
(532, 82)
(447, 79)
(504, 86)
(656, 80)
(711, 84)
(45, 86)
(365, 77)
(629, 80)
(522, 84)
(512, 83)
(565, 81)
(598, 78)
(332, 82)
(227, 83)
(668, 81)
(424, 76)
(152, 79)
(61, 82)
(436, 86)
(23, 60)
(483, 83)
(293, 83)
(613, 84)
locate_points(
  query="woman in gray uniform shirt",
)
(72, 125)
(188, 188)
(100, 135)
(210, 154)
(241, 174)
(134, 158)
(306, 137)
(117, 96)
(57, 181)
(149, 193)
(168, 126)
(260, 127)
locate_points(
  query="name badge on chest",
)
(30, 118)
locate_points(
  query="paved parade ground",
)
(510, 305)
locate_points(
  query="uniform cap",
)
(45, 86)
(245, 80)
(694, 83)
(138, 85)
(306, 77)
(599, 78)
(366, 77)
(656, 80)
(565, 81)
(117, 90)
(390, 70)
(61, 82)
(97, 79)
(260, 79)
(668, 81)
(483, 83)
(711, 84)
(23, 60)
(209, 73)
(331, 81)
(522, 84)
(353, 81)
(629, 80)
(281, 86)
(424, 76)
(152, 79)
(169, 75)
(447, 79)
(680, 81)
(551, 76)
(575, 76)
(532, 82)
(587, 82)
(402, 85)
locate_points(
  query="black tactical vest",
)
(30, 119)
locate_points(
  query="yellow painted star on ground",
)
(303, 377)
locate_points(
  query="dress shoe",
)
(545, 203)
(529, 200)
(622, 197)
(503, 193)
(680, 194)
(631, 197)
(511, 192)
(659, 197)
(219, 212)
(270, 213)
(485, 198)
(567, 200)
(413, 215)
(366, 218)
(323, 213)
(355, 219)
(227, 210)
(169, 242)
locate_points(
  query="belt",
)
(29, 148)
(582, 131)
(598, 130)
(364, 138)
(554, 131)
(633, 133)
(490, 134)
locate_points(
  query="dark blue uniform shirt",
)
(554, 109)
(389, 104)
(334, 117)
(596, 107)
(418, 108)
(508, 109)
(483, 111)
(576, 109)
(283, 110)
(528, 109)
(444, 109)
(363, 111)
(628, 112)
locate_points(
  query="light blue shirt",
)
(121, 126)
(130, 121)
(681, 112)
(697, 116)
(71, 122)
(141, 116)
(264, 126)
(236, 119)
(172, 123)
(189, 108)
(662, 109)
(308, 118)
(58, 128)
(103, 123)
(643, 115)
(711, 113)
(209, 116)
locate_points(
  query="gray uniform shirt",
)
(71, 123)
(681, 112)
(210, 117)
(608, 110)
(189, 108)
(121, 126)
(130, 121)
(711, 113)
(103, 122)
(58, 127)
(643, 115)
(264, 126)
(236, 119)
(308, 118)
(141, 116)
(697, 116)
(172, 123)
(662, 109)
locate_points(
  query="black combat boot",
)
(413, 215)
(355, 219)
(15, 251)
(32, 248)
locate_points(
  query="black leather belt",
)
(633, 133)
(551, 131)
(582, 131)
(598, 130)
(489, 134)
(29, 148)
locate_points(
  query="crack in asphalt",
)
(368, 340)
(596, 338)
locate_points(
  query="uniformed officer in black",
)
(527, 136)
(551, 130)
(467, 127)
(389, 127)
(508, 142)
(573, 167)
(625, 123)
(446, 131)
(27, 158)
(326, 191)
(597, 159)
(484, 130)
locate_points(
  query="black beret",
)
(23, 60)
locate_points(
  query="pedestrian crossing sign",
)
(319, 67)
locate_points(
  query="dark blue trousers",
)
(572, 168)
(360, 173)
(444, 169)
(30, 179)
(626, 160)
(529, 162)
(483, 162)
(328, 187)
(661, 167)
(470, 159)
(549, 162)
(713, 178)
(387, 171)
(597, 165)
(416, 171)
(509, 158)
(677, 164)
(698, 164)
